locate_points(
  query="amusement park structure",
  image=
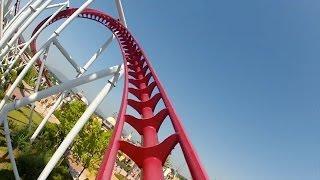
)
(140, 81)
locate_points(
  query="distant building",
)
(109, 123)
(83, 98)
(128, 138)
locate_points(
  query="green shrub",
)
(6, 174)
(30, 165)
(31, 77)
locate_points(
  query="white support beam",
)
(23, 27)
(40, 73)
(8, 11)
(1, 17)
(18, 14)
(49, 92)
(79, 125)
(10, 149)
(59, 88)
(121, 12)
(46, 118)
(97, 53)
(18, 22)
(58, 5)
(73, 16)
(22, 74)
(60, 97)
(67, 56)
(42, 49)
(25, 47)
(7, 5)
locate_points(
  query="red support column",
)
(152, 167)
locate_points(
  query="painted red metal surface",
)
(140, 80)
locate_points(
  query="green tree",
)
(33, 157)
(31, 77)
(89, 145)
(31, 164)
(69, 113)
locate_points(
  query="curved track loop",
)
(142, 79)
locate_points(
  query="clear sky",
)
(243, 76)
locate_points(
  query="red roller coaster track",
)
(143, 80)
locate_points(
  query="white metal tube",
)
(21, 76)
(58, 101)
(67, 56)
(18, 14)
(55, 34)
(8, 15)
(24, 26)
(57, 5)
(7, 10)
(60, 88)
(18, 22)
(10, 149)
(98, 52)
(1, 18)
(121, 12)
(46, 118)
(78, 126)
(36, 56)
(41, 70)
(38, 84)
(6, 7)
(29, 42)
(18, 46)
(73, 16)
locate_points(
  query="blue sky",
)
(243, 76)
